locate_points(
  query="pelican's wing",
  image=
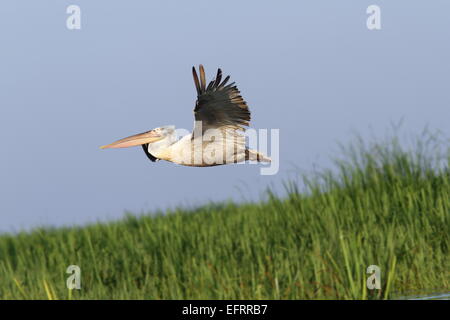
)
(219, 105)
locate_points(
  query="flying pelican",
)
(221, 115)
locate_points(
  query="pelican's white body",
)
(215, 147)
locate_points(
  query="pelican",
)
(221, 117)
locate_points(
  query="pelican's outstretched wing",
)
(219, 105)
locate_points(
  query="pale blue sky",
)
(310, 68)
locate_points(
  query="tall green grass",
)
(382, 205)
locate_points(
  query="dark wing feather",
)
(219, 105)
(197, 83)
(202, 78)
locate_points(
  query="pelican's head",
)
(164, 135)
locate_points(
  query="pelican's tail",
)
(254, 155)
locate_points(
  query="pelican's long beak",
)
(136, 140)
